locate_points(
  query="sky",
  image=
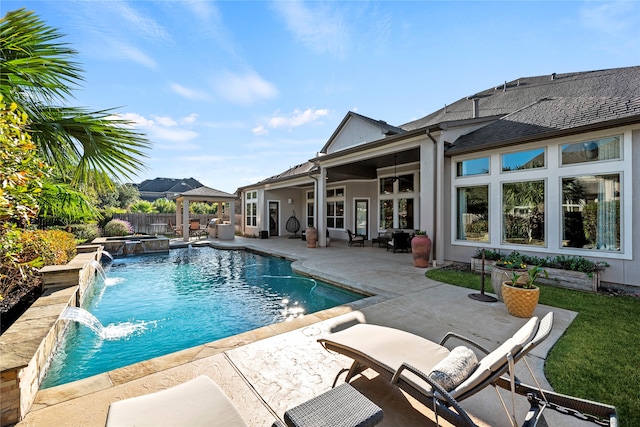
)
(233, 92)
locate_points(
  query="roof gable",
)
(356, 129)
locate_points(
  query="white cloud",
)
(192, 94)
(321, 29)
(259, 130)
(127, 51)
(297, 118)
(139, 23)
(244, 89)
(191, 118)
(161, 128)
(611, 17)
(165, 121)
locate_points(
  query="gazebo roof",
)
(205, 193)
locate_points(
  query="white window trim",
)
(396, 196)
(552, 173)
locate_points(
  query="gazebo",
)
(203, 194)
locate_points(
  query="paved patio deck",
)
(268, 370)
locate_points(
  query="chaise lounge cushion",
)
(199, 402)
(451, 371)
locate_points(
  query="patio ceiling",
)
(367, 168)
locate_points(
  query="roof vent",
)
(476, 107)
(553, 76)
(504, 88)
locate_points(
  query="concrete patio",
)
(268, 370)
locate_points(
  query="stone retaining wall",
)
(28, 344)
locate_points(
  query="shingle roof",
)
(163, 185)
(507, 98)
(548, 116)
(207, 192)
(297, 170)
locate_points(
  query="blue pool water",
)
(152, 305)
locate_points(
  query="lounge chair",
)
(355, 239)
(198, 402)
(408, 361)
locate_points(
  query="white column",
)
(232, 216)
(321, 204)
(185, 220)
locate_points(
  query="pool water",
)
(153, 305)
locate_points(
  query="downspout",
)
(437, 239)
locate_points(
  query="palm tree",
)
(36, 73)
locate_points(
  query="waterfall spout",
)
(81, 315)
(99, 269)
(108, 255)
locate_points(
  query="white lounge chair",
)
(198, 402)
(408, 361)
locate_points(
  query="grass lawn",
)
(598, 357)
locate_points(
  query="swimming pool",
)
(152, 305)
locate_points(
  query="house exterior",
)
(158, 188)
(544, 165)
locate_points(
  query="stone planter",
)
(520, 302)
(421, 250)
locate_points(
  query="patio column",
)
(185, 220)
(321, 220)
(232, 215)
(178, 214)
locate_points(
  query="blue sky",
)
(233, 92)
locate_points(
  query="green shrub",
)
(23, 252)
(85, 232)
(118, 227)
(142, 206)
(572, 263)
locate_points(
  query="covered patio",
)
(207, 195)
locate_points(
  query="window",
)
(386, 214)
(591, 212)
(335, 207)
(397, 207)
(523, 213)
(473, 167)
(251, 211)
(591, 151)
(310, 209)
(405, 213)
(473, 213)
(521, 160)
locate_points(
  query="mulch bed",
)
(13, 305)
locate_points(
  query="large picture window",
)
(591, 212)
(473, 213)
(251, 209)
(523, 213)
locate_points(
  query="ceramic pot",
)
(421, 250)
(520, 302)
(499, 275)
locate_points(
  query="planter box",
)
(557, 277)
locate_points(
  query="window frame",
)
(251, 208)
(553, 173)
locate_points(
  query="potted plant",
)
(519, 297)
(421, 249)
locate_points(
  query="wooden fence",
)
(163, 223)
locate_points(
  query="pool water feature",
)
(152, 305)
